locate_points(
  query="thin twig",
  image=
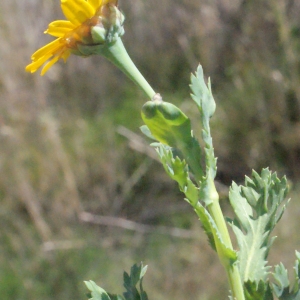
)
(63, 245)
(134, 226)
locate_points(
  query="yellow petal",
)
(38, 63)
(66, 55)
(59, 28)
(48, 48)
(104, 2)
(77, 11)
(95, 3)
(50, 64)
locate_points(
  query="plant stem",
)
(232, 271)
(117, 54)
(216, 213)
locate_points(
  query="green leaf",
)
(97, 292)
(170, 126)
(282, 287)
(213, 233)
(146, 131)
(296, 287)
(177, 169)
(258, 207)
(257, 291)
(167, 123)
(137, 273)
(208, 224)
(282, 280)
(115, 297)
(202, 95)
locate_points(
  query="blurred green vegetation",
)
(70, 144)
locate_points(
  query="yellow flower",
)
(82, 16)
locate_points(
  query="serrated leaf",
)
(257, 291)
(241, 207)
(130, 281)
(205, 219)
(202, 95)
(191, 192)
(251, 195)
(258, 207)
(177, 169)
(213, 234)
(296, 286)
(115, 297)
(97, 292)
(282, 287)
(137, 273)
(207, 190)
(282, 280)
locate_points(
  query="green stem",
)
(232, 270)
(216, 213)
(117, 54)
(236, 286)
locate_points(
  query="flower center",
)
(82, 34)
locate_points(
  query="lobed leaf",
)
(213, 233)
(282, 287)
(97, 292)
(257, 291)
(258, 207)
(202, 95)
(177, 169)
(137, 273)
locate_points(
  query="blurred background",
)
(83, 196)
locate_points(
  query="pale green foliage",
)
(258, 205)
(257, 208)
(282, 286)
(97, 292)
(213, 233)
(179, 152)
(167, 123)
(170, 126)
(202, 95)
(177, 169)
(131, 280)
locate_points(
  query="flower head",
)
(89, 23)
